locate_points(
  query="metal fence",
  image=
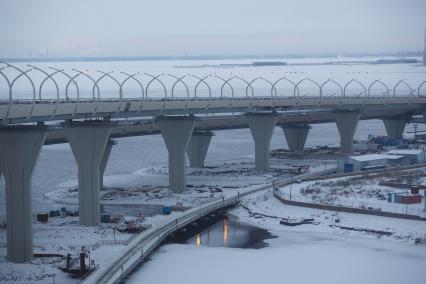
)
(394, 208)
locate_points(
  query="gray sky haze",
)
(30, 28)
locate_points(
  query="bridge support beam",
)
(262, 127)
(296, 136)
(19, 150)
(104, 162)
(88, 141)
(346, 122)
(395, 126)
(197, 148)
(176, 131)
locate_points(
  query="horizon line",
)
(204, 57)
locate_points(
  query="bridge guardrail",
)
(156, 236)
(159, 99)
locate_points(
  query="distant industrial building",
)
(415, 156)
(393, 158)
(371, 162)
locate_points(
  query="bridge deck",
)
(18, 111)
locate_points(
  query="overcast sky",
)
(214, 27)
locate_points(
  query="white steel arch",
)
(281, 79)
(375, 82)
(132, 76)
(355, 81)
(104, 75)
(296, 87)
(400, 83)
(419, 87)
(331, 80)
(155, 78)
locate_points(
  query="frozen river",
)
(293, 257)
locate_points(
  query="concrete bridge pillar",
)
(88, 141)
(176, 131)
(20, 147)
(395, 126)
(104, 162)
(346, 122)
(197, 148)
(296, 136)
(262, 127)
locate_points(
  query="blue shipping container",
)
(167, 210)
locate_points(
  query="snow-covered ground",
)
(149, 186)
(403, 231)
(357, 192)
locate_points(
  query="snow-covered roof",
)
(372, 157)
(405, 152)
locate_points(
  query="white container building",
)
(416, 156)
(371, 162)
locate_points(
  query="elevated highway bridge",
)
(186, 124)
(56, 134)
